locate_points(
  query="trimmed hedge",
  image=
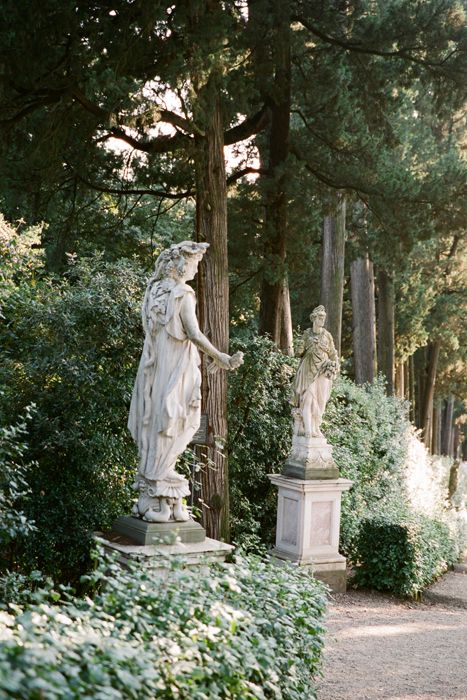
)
(248, 630)
(402, 553)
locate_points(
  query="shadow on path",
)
(380, 647)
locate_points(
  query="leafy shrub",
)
(14, 492)
(369, 432)
(402, 553)
(367, 429)
(260, 433)
(248, 630)
(71, 347)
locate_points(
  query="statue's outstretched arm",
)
(192, 329)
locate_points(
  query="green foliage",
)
(402, 552)
(248, 630)
(259, 437)
(14, 491)
(369, 432)
(70, 346)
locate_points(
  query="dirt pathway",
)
(378, 647)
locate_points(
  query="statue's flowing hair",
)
(318, 310)
(170, 261)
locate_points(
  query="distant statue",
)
(165, 409)
(313, 382)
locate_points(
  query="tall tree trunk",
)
(273, 300)
(399, 380)
(412, 398)
(406, 380)
(447, 424)
(420, 382)
(363, 312)
(427, 407)
(286, 340)
(456, 439)
(386, 328)
(213, 312)
(332, 268)
(436, 430)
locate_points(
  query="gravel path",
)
(379, 647)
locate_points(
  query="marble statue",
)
(166, 401)
(313, 382)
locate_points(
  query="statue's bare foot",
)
(180, 511)
(158, 516)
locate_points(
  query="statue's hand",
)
(236, 360)
(224, 361)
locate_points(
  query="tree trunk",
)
(427, 407)
(332, 269)
(456, 441)
(399, 380)
(447, 421)
(386, 328)
(213, 313)
(436, 430)
(273, 300)
(363, 312)
(412, 398)
(286, 340)
(420, 382)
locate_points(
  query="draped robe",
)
(166, 401)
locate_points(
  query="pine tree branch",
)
(404, 53)
(163, 194)
(248, 127)
(244, 171)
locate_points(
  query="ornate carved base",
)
(310, 458)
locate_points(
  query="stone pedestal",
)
(308, 525)
(145, 533)
(157, 557)
(310, 458)
(152, 545)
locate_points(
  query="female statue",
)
(166, 401)
(313, 381)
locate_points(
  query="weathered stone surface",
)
(310, 458)
(144, 533)
(308, 524)
(330, 571)
(166, 400)
(297, 470)
(157, 557)
(319, 365)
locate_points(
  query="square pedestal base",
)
(310, 459)
(331, 570)
(143, 533)
(299, 470)
(308, 524)
(157, 557)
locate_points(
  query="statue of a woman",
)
(313, 381)
(166, 401)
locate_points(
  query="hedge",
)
(403, 553)
(247, 630)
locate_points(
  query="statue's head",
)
(180, 260)
(318, 313)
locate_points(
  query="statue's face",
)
(191, 267)
(318, 320)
